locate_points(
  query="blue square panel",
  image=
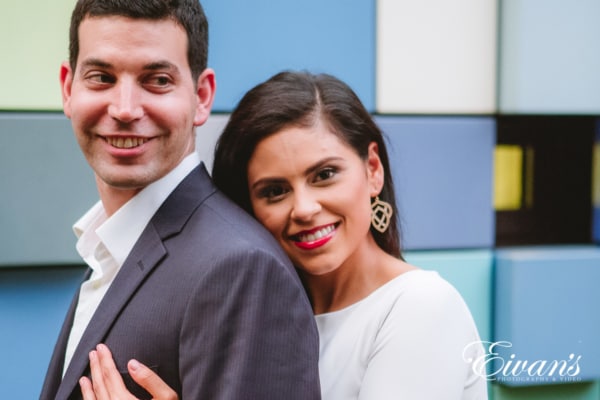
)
(33, 304)
(252, 40)
(547, 323)
(442, 168)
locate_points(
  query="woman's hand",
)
(106, 382)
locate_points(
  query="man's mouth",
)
(125, 142)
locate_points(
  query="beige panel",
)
(436, 56)
(33, 43)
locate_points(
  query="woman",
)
(303, 155)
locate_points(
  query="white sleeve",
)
(418, 351)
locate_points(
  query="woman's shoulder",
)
(421, 283)
(423, 293)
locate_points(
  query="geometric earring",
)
(381, 214)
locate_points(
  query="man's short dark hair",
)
(187, 13)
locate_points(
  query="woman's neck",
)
(352, 281)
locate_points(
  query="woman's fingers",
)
(150, 381)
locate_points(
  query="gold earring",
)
(381, 214)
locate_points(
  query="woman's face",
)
(312, 192)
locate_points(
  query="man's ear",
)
(206, 96)
(375, 171)
(66, 82)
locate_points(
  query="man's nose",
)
(125, 105)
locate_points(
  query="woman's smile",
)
(314, 238)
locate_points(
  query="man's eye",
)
(101, 78)
(159, 81)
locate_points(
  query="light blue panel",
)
(252, 40)
(443, 171)
(546, 306)
(549, 58)
(46, 186)
(470, 271)
(33, 304)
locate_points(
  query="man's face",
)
(132, 100)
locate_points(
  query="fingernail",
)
(134, 365)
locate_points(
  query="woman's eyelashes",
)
(272, 192)
(325, 174)
(276, 191)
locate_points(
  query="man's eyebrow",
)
(161, 66)
(153, 66)
(95, 62)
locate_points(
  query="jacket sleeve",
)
(249, 333)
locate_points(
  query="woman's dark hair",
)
(299, 99)
(187, 13)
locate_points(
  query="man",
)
(180, 278)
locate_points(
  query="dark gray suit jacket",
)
(209, 300)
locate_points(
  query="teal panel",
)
(549, 58)
(470, 271)
(33, 304)
(581, 391)
(46, 186)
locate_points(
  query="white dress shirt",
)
(104, 243)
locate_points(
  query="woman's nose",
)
(305, 206)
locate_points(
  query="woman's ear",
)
(206, 95)
(375, 172)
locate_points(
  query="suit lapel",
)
(145, 255)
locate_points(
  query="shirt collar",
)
(121, 231)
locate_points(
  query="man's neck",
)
(114, 198)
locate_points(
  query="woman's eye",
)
(325, 174)
(272, 193)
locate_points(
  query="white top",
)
(104, 243)
(405, 341)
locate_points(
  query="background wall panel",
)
(250, 41)
(46, 185)
(436, 56)
(33, 304)
(546, 308)
(442, 169)
(33, 43)
(549, 58)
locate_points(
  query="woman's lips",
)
(308, 240)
